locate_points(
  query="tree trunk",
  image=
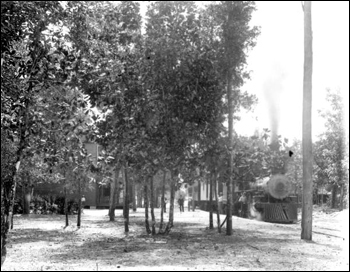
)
(334, 196)
(79, 203)
(139, 195)
(66, 206)
(211, 223)
(13, 199)
(152, 207)
(113, 196)
(162, 204)
(134, 207)
(306, 220)
(6, 188)
(199, 193)
(117, 197)
(230, 181)
(230, 118)
(79, 212)
(217, 202)
(193, 202)
(146, 208)
(171, 209)
(341, 200)
(126, 199)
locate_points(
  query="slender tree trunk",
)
(117, 197)
(79, 203)
(152, 207)
(134, 207)
(306, 220)
(6, 189)
(230, 181)
(334, 196)
(171, 209)
(211, 223)
(341, 200)
(139, 195)
(13, 199)
(217, 202)
(199, 193)
(66, 206)
(113, 196)
(162, 204)
(193, 202)
(126, 200)
(228, 49)
(146, 208)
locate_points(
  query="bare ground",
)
(39, 242)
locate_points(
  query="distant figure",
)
(243, 198)
(82, 203)
(243, 205)
(181, 201)
(165, 202)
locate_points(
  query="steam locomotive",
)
(270, 201)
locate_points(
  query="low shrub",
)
(49, 204)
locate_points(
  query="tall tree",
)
(232, 36)
(306, 220)
(330, 150)
(23, 73)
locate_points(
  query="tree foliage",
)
(160, 90)
(330, 150)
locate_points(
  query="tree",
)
(108, 69)
(233, 36)
(23, 73)
(306, 220)
(330, 150)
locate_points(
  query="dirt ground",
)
(39, 242)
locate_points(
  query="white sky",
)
(277, 63)
(279, 58)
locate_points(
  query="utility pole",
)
(228, 50)
(306, 219)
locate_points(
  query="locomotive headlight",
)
(279, 186)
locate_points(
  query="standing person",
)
(82, 203)
(189, 203)
(243, 205)
(165, 201)
(181, 203)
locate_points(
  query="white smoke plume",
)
(273, 88)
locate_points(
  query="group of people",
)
(180, 201)
(240, 206)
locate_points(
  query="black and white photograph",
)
(174, 135)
